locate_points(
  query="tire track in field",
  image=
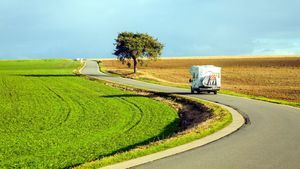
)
(64, 101)
(85, 89)
(12, 93)
(108, 130)
(140, 110)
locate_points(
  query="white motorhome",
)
(206, 78)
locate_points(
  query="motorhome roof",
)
(204, 66)
(197, 68)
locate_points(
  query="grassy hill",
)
(50, 118)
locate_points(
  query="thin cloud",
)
(74, 28)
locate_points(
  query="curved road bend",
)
(271, 140)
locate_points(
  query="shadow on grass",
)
(46, 75)
(191, 94)
(122, 95)
(155, 95)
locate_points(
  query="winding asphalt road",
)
(271, 139)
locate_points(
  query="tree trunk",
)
(134, 65)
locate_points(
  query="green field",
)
(50, 118)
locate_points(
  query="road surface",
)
(270, 140)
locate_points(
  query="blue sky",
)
(77, 28)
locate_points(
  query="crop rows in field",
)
(51, 118)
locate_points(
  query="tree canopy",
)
(137, 46)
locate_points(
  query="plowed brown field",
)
(272, 77)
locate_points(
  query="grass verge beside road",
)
(220, 119)
(143, 75)
(294, 104)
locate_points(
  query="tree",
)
(136, 46)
